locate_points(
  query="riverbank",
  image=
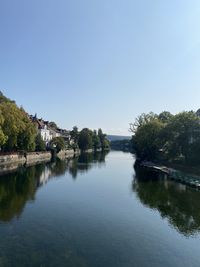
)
(24, 158)
(178, 175)
(65, 154)
(10, 162)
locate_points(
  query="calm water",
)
(96, 212)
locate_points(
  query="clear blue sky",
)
(100, 63)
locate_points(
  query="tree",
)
(17, 127)
(3, 137)
(142, 120)
(53, 125)
(96, 140)
(58, 143)
(40, 144)
(4, 99)
(19, 131)
(106, 144)
(13, 124)
(85, 139)
(147, 139)
(176, 136)
(103, 140)
(183, 135)
(26, 138)
(165, 116)
(74, 134)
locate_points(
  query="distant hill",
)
(118, 137)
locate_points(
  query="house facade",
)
(42, 128)
(54, 133)
(46, 132)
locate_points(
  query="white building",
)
(54, 133)
(45, 134)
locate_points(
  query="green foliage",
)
(103, 140)
(4, 99)
(122, 145)
(88, 139)
(85, 139)
(96, 140)
(165, 116)
(3, 137)
(26, 138)
(147, 138)
(74, 135)
(53, 125)
(177, 137)
(142, 120)
(40, 144)
(19, 132)
(183, 136)
(58, 143)
(105, 144)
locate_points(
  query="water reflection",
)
(85, 162)
(17, 188)
(176, 202)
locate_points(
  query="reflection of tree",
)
(85, 162)
(19, 187)
(176, 202)
(57, 168)
(16, 189)
(100, 158)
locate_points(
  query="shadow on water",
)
(179, 204)
(20, 187)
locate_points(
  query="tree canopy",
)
(174, 137)
(19, 132)
(89, 139)
(85, 139)
(16, 130)
(58, 143)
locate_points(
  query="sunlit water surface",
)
(95, 211)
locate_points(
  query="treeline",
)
(167, 137)
(19, 133)
(124, 145)
(88, 139)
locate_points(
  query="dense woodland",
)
(123, 145)
(19, 133)
(167, 137)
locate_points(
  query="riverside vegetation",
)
(167, 137)
(18, 133)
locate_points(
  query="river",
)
(95, 211)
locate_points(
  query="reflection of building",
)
(44, 177)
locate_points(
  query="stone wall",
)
(35, 157)
(20, 159)
(12, 158)
(64, 154)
